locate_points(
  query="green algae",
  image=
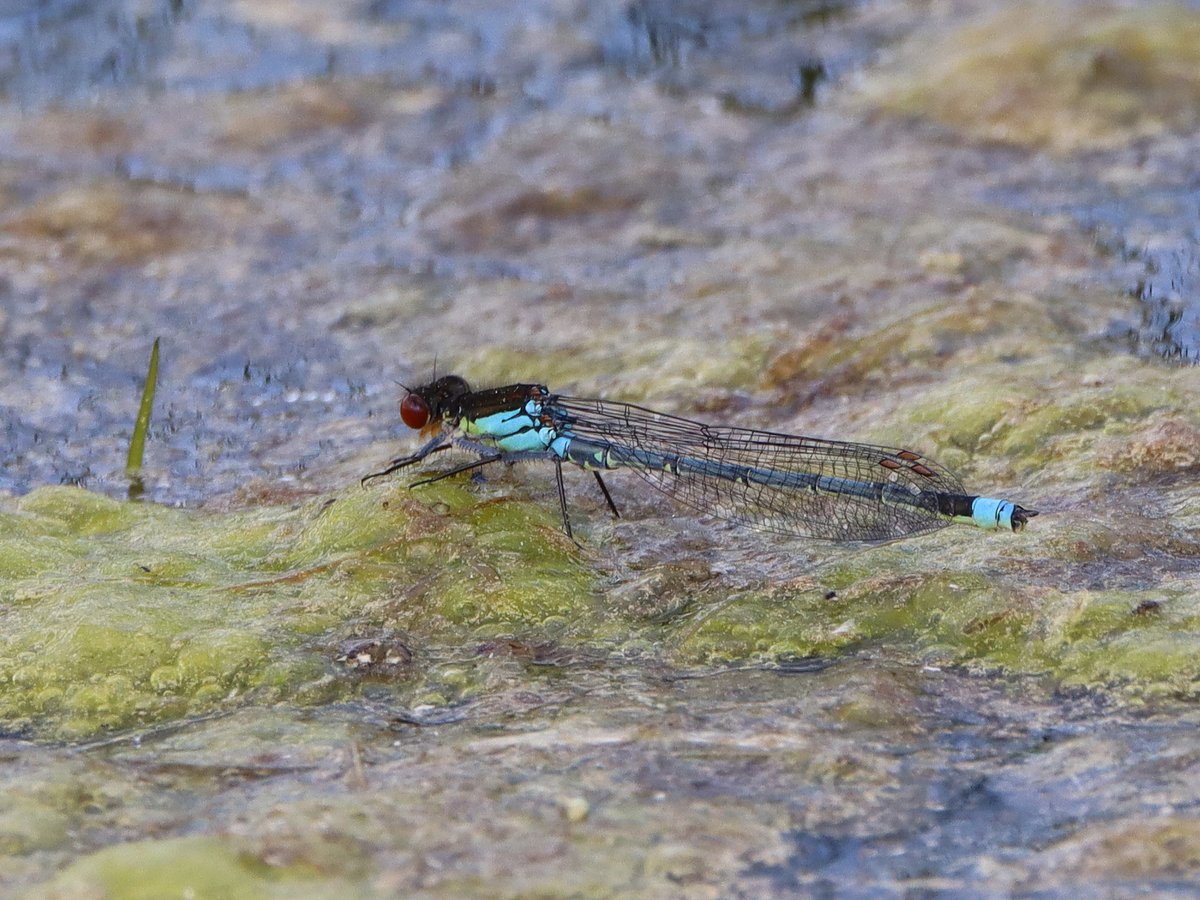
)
(948, 616)
(1144, 641)
(178, 867)
(29, 824)
(1119, 407)
(130, 615)
(653, 369)
(125, 615)
(1067, 76)
(1136, 644)
(974, 335)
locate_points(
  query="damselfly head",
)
(1021, 517)
(428, 404)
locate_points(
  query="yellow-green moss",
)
(129, 614)
(947, 613)
(650, 369)
(1086, 411)
(1065, 75)
(27, 825)
(180, 867)
(144, 614)
(1137, 643)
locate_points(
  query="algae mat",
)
(124, 615)
(385, 689)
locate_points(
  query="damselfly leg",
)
(607, 496)
(437, 444)
(465, 467)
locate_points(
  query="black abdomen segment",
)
(591, 454)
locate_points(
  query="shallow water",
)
(953, 228)
(1149, 223)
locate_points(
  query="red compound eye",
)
(414, 411)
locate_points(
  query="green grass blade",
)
(137, 444)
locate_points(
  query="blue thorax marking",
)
(505, 422)
(516, 431)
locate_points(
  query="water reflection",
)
(1150, 229)
(1170, 296)
(756, 58)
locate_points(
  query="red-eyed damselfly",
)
(793, 485)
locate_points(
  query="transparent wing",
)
(905, 504)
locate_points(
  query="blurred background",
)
(710, 205)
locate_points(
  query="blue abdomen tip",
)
(989, 513)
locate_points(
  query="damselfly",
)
(799, 486)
